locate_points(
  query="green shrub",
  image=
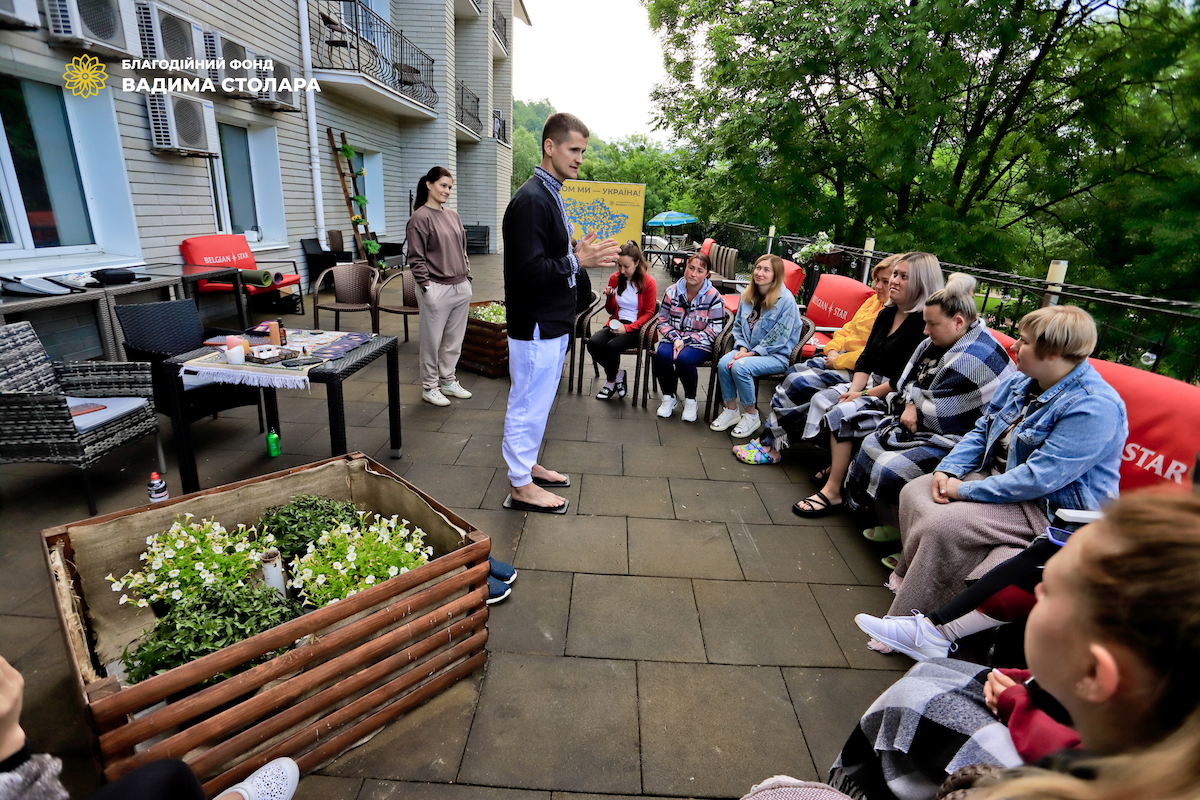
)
(304, 519)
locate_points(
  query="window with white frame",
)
(43, 206)
(370, 183)
(247, 186)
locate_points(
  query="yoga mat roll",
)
(258, 277)
(277, 278)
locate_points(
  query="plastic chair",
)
(834, 302)
(355, 288)
(35, 413)
(408, 297)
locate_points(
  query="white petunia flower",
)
(124, 599)
(118, 586)
(175, 595)
(394, 571)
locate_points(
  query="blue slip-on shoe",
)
(497, 591)
(502, 571)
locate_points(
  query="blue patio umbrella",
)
(670, 218)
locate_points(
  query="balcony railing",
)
(466, 105)
(499, 127)
(349, 36)
(500, 24)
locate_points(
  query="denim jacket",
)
(777, 331)
(1066, 452)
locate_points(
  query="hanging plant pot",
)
(833, 259)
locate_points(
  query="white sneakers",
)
(667, 408)
(275, 780)
(454, 390)
(689, 410)
(915, 636)
(747, 425)
(729, 417)
(437, 396)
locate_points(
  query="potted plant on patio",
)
(821, 251)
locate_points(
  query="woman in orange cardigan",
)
(790, 401)
(629, 300)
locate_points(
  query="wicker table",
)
(14, 304)
(190, 274)
(332, 374)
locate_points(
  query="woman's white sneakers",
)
(747, 425)
(689, 410)
(729, 417)
(275, 780)
(667, 408)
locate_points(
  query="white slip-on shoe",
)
(455, 390)
(667, 407)
(275, 780)
(729, 417)
(747, 425)
(915, 636)
(435, 397)
(689, 410)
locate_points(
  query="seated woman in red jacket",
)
(629, 300)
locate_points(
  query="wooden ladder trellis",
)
(338, 155)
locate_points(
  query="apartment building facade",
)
(93, 173)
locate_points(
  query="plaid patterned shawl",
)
(924, 727)
(966, 378)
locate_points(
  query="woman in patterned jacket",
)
(689, 320)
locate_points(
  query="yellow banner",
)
(609, 209)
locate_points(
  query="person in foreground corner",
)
(539, 291)
(437, 253)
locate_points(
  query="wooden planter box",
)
(485, 347)
(833, 259)
(364, 661)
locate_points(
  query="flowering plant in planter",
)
(190, 556)
(820, 245)
(493, 312)
(349, 558)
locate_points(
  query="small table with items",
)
(346, 354)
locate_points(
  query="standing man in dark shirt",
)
(540, 276)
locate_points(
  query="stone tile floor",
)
(680, 633)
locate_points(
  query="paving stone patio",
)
(679, 633)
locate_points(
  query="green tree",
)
(640, 160)
(525, 156)
(985, 131)
(531, 115)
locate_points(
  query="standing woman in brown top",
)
(437, 253)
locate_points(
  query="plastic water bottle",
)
(272, 443)
(157, 488)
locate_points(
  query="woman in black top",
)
(851, 412)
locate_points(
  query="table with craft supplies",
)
(343, 354)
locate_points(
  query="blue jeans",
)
(670, 370)
(739, 380)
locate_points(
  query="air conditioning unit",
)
(275, 99)
(167, 35)
(19, 14)
(104, 26)
(220, 48)
(182, 124)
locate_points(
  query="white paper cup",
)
(235, 356)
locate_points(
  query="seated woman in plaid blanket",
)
(948, 382)
(1112, 643)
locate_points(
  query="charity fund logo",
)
(85, 76)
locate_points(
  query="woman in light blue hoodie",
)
(766, 330)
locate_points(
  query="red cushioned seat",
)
(834, 302)
(1163, 435)
(231, 249)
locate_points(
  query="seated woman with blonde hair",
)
(765, 331)
(1050, 439)
(1109, 644)
(834, 367)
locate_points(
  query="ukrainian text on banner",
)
(609, 209)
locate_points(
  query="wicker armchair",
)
(154, 332)
(355, 288)
(35, 414)
(408, 297)
(648, 332)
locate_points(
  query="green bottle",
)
(272, 443)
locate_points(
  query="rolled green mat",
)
(258, 277)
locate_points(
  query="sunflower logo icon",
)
(85, 76)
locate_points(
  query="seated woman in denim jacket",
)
(765, 332)
(689, 320)
(1051, 438)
